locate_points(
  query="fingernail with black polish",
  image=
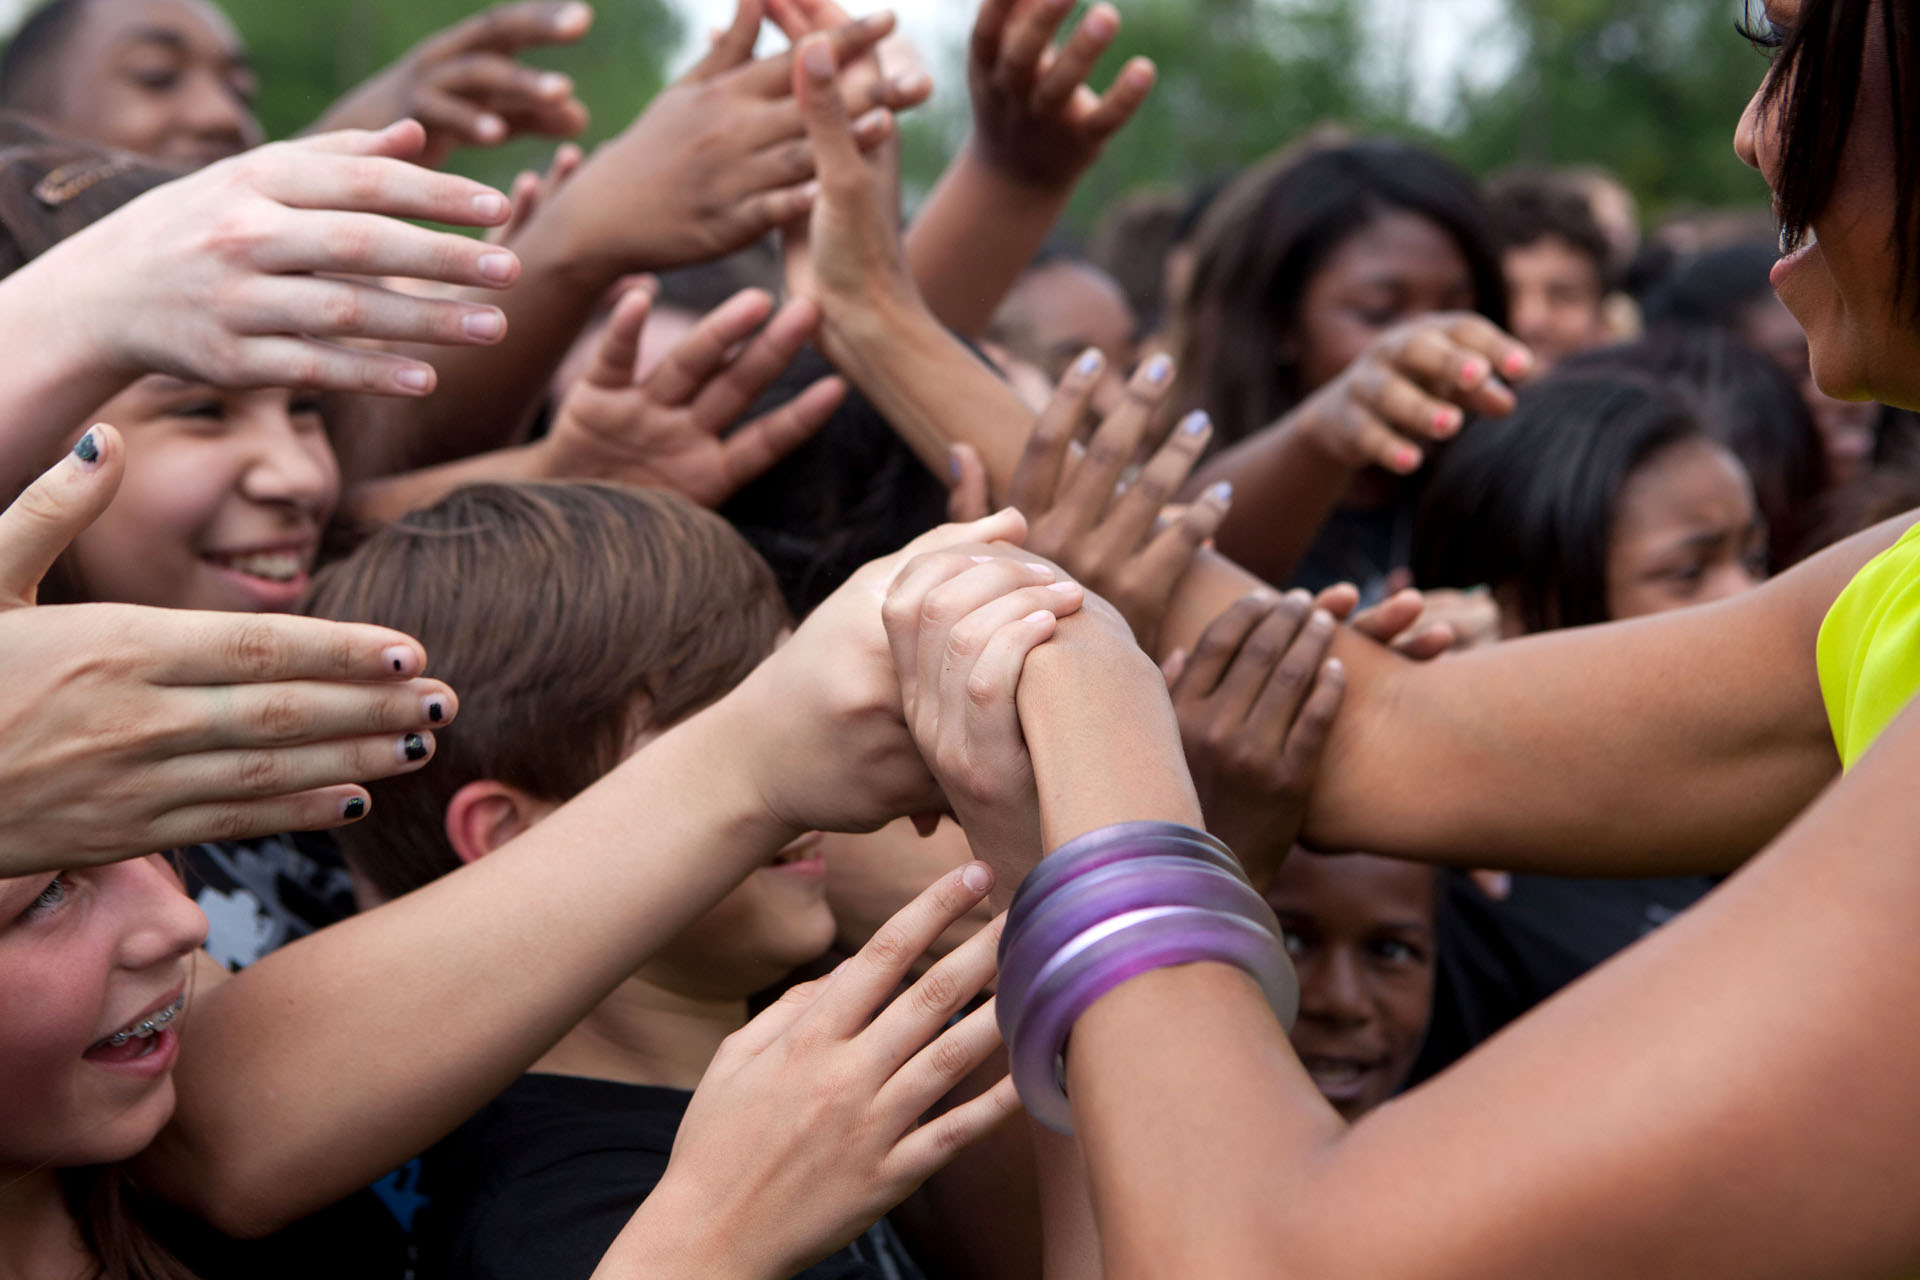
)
(354, 809)
(88, 450)
(414, 747)
(436, 710)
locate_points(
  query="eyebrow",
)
(177, 43)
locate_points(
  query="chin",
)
(122, 1135)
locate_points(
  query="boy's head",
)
(1556, 260)
(1361, 931)
(577, 621)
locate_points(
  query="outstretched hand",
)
(1035, 118)
(125, 730)
(1115, 537)
(670, 430)
(254, 271)
(812, 1120)
(467, 87)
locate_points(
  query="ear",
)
(484, 815)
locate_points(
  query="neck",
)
(646, 1033)
(39, 1239)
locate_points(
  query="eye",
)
(1396, 952)
(155, 79)
(210, 410)
(1296, 945)
(306, 406)
(49, 898)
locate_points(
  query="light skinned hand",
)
(961, 622)
(1412, 387)
(1111, 532)
(125, 730)
(812, 1120)
(232, 275)
(467, 87)
(1035, 117)
(670, 431)
(719, 159)
(828, 746)
(1256, 699)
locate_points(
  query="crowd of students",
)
(1352, 725)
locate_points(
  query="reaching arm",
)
(1649, 747)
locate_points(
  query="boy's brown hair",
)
(568, 617)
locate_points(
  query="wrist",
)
(666, 1240)
(745, 762)
(981, 161)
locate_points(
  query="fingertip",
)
(573, 20)
(816, 58)
(978, 877)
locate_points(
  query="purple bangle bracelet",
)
(1119, 843)
(1114, 952)
(1104, 893)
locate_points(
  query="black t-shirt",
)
(1498, 959)
(538, 1185)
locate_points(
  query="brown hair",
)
(553, 609)
(51, 187)
(105, 1207)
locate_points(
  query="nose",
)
(291, 468)
(212, 113)
(163, 924)
(1732, 580)
(1333, 991)
(1746, 134)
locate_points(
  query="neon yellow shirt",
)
(1869, 650)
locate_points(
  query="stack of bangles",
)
(1112, 905)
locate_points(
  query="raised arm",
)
(1647, 747)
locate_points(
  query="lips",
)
(1792, 254)
(279, 566)
(144, 1025)
(1342, 1079)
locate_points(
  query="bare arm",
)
(1725, 1098)
(1647, 747)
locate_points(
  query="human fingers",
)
(1089, 488)
(215, 777)
(775, 1020)
(774, 77)
(524, 196)
(509, 27)
(1371, 441)
(733, 47)
(1068, 70)
(365, 244)
(1029, 614)
(1136, 511)
(1148, 580)
(50, 513)
(939, 1068)
(1307, 737)
(756, 366)
(324, 307)
(913, 1019)
(1460, 357)
(755, 448)
(401, 140)
(944, 590)
(619, 348)
(1026, 41)
(927, 1149)
(967, 490)
(188, 647)
(286, 713)
(1258, 661)
(1200, 674)
(1403, 405)
(1037, 476)
(702, 353)
(989, 32)
(1294, 677)
(288, 361)
(1387, 621)
(863, 983)
(375, 184)
(321, 809)
(1428, 642)
(1122, 99)
(1340, 600)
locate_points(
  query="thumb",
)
(967, 494)
(53, 510)
(836, 153)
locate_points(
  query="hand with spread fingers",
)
(671, 430)
(530, 190)
(126, 729)
(752, 1192)
(1035, 117)
(721, 157)
(1090, 512)
(1256, 699)
(467, 86)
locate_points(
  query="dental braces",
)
(146, 1030)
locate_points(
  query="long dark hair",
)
(105, 1206)
(1525, 503)
(1815, 87)
(1270, 233)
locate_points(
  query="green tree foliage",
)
(309, 52)
(1650, 89)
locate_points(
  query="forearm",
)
(665, 1240)
(55, 373)
(374, 502)
(1070, 1234)
(963, 272)
(396, 1025)
(1284, 488)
